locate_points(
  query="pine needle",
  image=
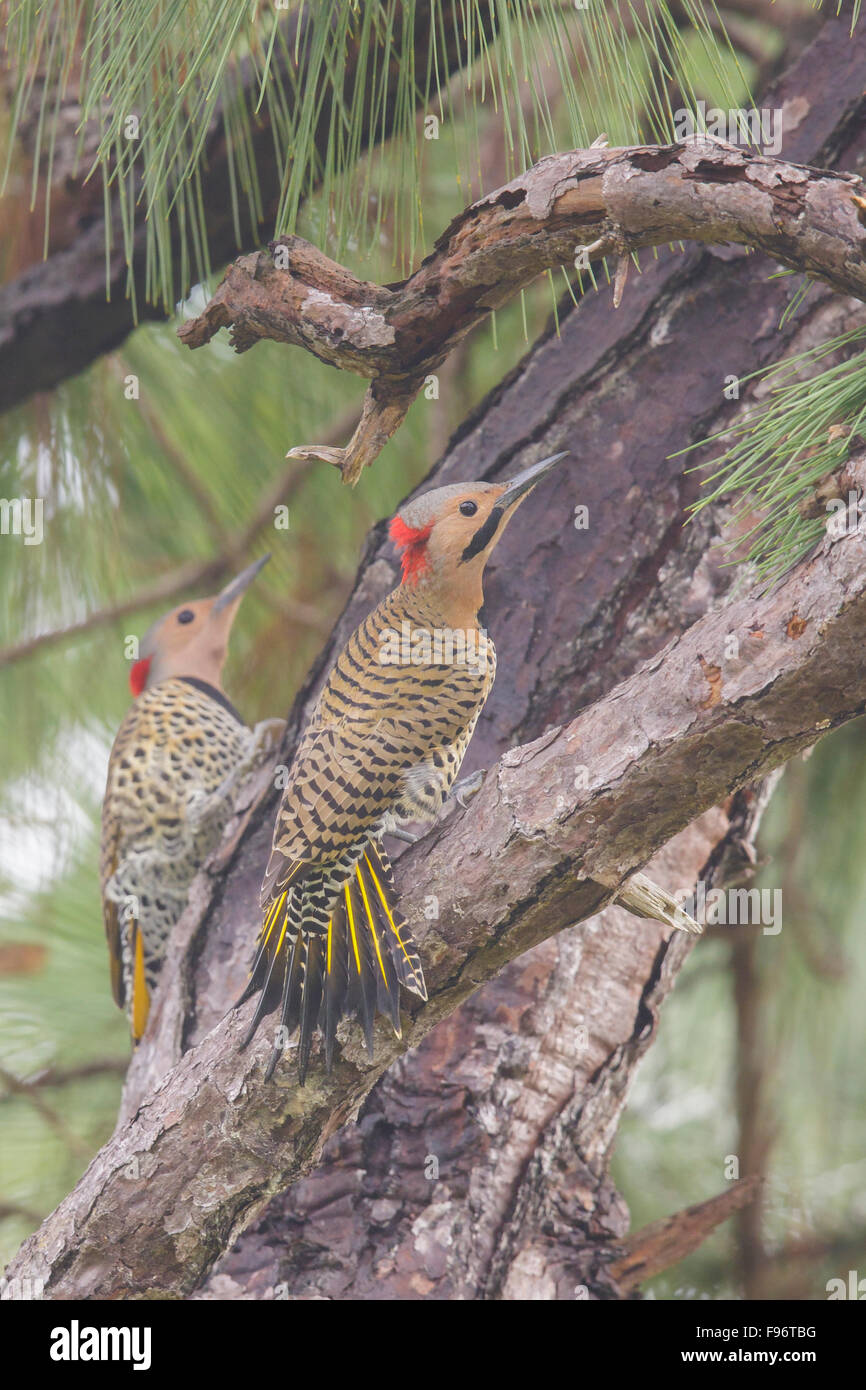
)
(783, 447)
(152, 77)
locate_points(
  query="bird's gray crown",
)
(421, 510)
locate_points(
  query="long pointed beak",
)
(525, 481)
(237, 586)
(506, 501)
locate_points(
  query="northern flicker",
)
(178, 757)
(384, 745)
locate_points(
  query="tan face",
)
(193, 639)
(468, 527)
(447, 535)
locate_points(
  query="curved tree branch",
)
(578, 206)
(666, 1242)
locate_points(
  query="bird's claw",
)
(268, 734)
(470, 786)
(399, 833)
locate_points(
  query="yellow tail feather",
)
(140, 991)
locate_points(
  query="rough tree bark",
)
(631, 389)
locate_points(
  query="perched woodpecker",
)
(177, 759)
(383, 745)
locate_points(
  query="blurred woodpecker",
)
(177, 760)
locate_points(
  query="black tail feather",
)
(311, 1000)
(367, 992)
(351, 964)
(402, 948)
(336, 978)
(387, 983)
(262, 975)
(290, 975)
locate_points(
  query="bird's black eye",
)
(185, 616)
(468, 508)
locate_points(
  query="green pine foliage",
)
(798, 434)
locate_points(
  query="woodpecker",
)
(179, 754)
(383, 746)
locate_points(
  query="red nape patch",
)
(138, 675)
(412, 545)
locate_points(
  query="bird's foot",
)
(267, 735)
(400, 834)
(468, 787)
(198, 808)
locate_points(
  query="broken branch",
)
(664, 1243)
